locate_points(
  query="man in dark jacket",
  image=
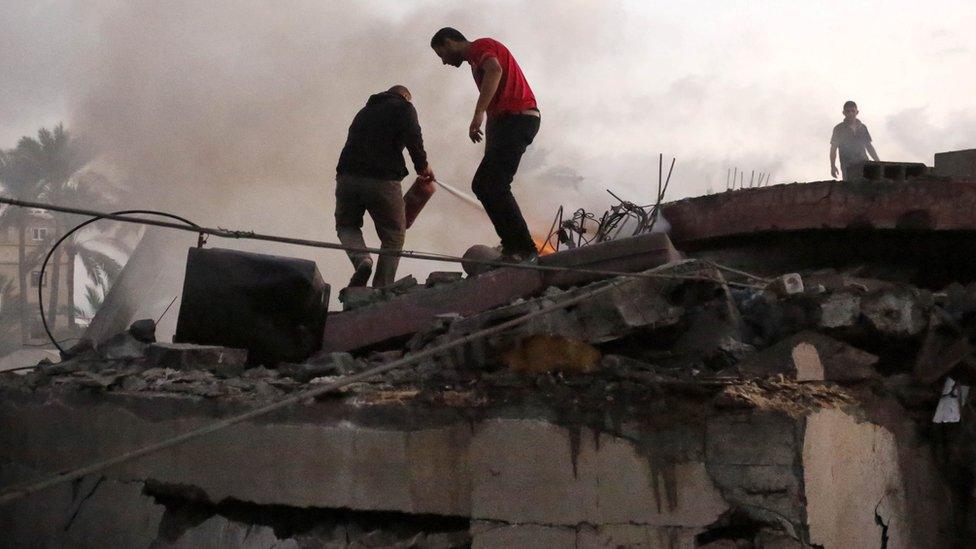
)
(368, 179)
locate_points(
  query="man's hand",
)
(426, 174)
(833, 171)
(474, 130)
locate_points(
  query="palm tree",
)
(50, 168)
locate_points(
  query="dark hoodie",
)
(377, 136)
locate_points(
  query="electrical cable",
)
(76, 228)
(250, 235)
(11, 493)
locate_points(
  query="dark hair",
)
(850, 104)
(445, 34)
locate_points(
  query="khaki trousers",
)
(383, 200)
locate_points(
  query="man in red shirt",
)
(512, 123)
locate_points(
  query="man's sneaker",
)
(524, 257)
(363, 270)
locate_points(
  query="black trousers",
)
(506, 139)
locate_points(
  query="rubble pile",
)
(730, 392)
(838, 328)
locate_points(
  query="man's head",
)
(450, 45)
(850, 111)
(402, 91)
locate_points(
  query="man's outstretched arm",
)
(873, 153)
(833, 160)
(489, 85)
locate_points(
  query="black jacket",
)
(377, 136)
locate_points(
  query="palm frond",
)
(94, 298)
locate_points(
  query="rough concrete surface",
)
(521, 481)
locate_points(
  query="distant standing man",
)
(512, 122)
(853, 140)
(368, 179)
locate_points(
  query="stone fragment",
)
(401, 286)
(711, 338)
(260, 372)
(787, 284)
(895, 314)
(144, 330)
(809, 356)
(331, 364)
(134, 383)
(83, 347)
(943, 350)
(353, 297)
(477, 253)
(218, 531)
(122, 346)
(839, 310)
(223, 361)
(442, 277)
(97, 380)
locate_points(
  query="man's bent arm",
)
(489, 85)
(413, 139)
(872, 152)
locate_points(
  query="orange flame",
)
(544, 248)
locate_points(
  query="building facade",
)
(38, 238)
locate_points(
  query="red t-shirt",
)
(514, 93)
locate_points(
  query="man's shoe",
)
(363, 270)
(523, 257)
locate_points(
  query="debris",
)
(401, 286)
(84, 346)
(143, 330)
(330, 364)
(795, 399)
(954, 396)
(788, 284)
(943, 349)
(223, 361)
(810, 356)
(353, 297)
(122, 346)
(839, 310)
(478, 253)
(895, 314)
(437, 278)
(549, 353)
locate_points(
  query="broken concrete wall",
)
(853, 484)
(522, 476)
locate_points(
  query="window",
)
(39, 233)
(35, 278)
